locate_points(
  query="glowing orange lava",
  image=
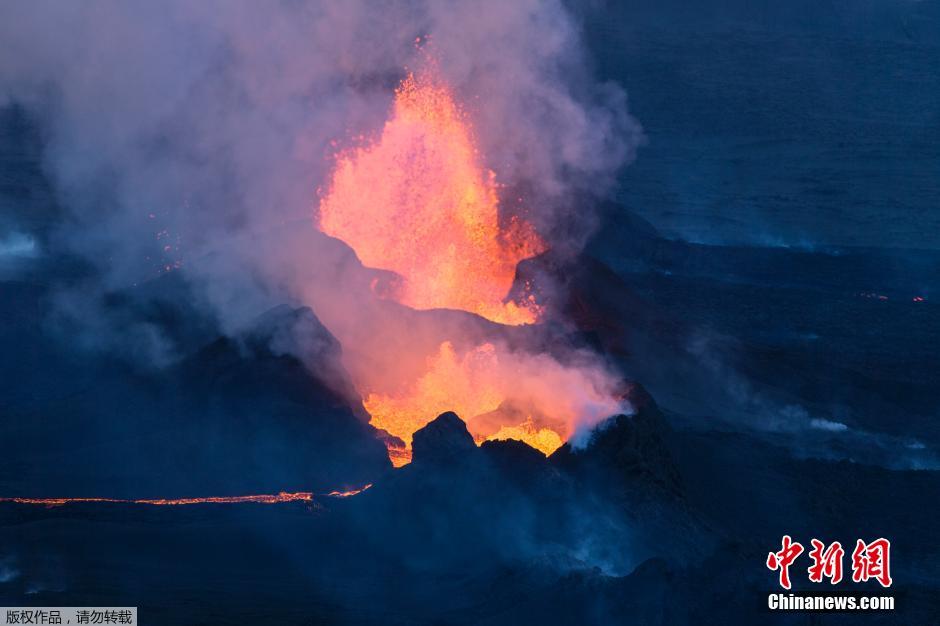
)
(420, 203)
(544, 439)
(501, 395)
(452, 383)
(283, 496)
(347, 494)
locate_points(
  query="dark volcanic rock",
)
(444, 439)
(273, 423)
(237, 415)
(511, 453)
(282, 327)
(522, 465)
(298, 332)
(634, 448)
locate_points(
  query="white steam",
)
(194, 135)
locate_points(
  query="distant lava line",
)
(283, 496)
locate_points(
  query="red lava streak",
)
(271, 498)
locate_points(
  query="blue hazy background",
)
(780, 123)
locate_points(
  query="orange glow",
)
(499, 394)
(399, 456)
(544, 440)
(419, 202)
(303, 496)
(452, 383)
(346, 494)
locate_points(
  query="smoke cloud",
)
(193, 137)
(204, 122)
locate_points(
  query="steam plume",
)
(192, 137)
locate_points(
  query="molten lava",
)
(419, 202)
(275, 498)
(544, 439)
(349, 493)
(501, 395)
(452, 383)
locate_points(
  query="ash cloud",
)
(181, 133)
(192, 140)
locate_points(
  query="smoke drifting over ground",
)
(194, 138)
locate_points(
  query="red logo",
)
(827, 562)
(782, 560)
(872, 560)
(869, 561)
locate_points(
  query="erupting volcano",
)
(419, 201)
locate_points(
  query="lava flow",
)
(275, 498)
(419, 201)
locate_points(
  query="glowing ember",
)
(419, 202)
(304, 496)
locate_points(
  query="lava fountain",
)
(418, 201)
